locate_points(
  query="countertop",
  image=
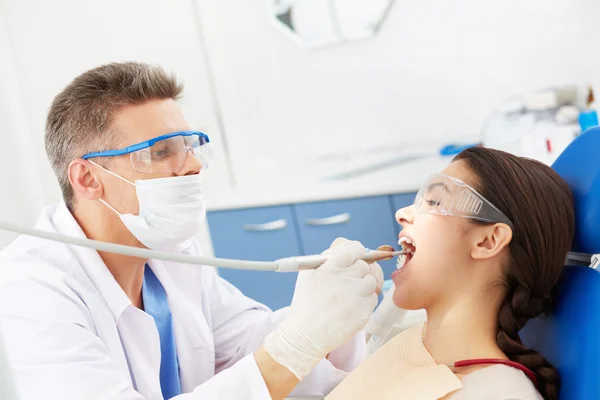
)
(312, 185)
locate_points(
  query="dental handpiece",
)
(289, 264)
(300, 263)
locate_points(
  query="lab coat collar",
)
(92, 264)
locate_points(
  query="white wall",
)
(50, 42)
(435, 71)
(21, 187)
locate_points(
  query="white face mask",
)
(172, 210)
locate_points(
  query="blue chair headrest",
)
(568, 337)
(579, 165)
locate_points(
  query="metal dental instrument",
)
(314, 261)
(288, 264)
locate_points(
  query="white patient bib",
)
(402, 369)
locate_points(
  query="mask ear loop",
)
(115, 175)
(112, 173)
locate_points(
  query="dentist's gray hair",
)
(80, 117)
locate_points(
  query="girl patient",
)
(490, 235)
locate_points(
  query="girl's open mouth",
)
(409, 247)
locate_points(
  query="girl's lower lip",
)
(397, 271)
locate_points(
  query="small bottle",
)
(588, 117)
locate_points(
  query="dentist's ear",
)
(490, 240)
(85, 180)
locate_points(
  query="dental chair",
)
(569, 337)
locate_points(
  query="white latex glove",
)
(385, 317)
(304, 276)
(331, 305)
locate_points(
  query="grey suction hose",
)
(280, 266)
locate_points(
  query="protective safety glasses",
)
(445, 195)
(163, 154)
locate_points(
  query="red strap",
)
(479, 361)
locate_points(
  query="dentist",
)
(81, 324)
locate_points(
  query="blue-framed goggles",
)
(163, 154)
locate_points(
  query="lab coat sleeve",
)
(241, 381)
(241, 324)
(55, 353)
(349, 356)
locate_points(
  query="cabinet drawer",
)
(367, 220)
(260, 234)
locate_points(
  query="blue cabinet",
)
(266, 234)
(367, 220)
(261, 234)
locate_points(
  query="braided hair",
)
(540, 205)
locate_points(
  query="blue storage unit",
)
(266, 234)
(368, 220)
(261, 234)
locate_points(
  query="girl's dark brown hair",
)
(540, 205)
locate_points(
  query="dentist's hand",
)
(329, 307)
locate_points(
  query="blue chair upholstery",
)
(569, 338)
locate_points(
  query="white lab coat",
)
(72, 333)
